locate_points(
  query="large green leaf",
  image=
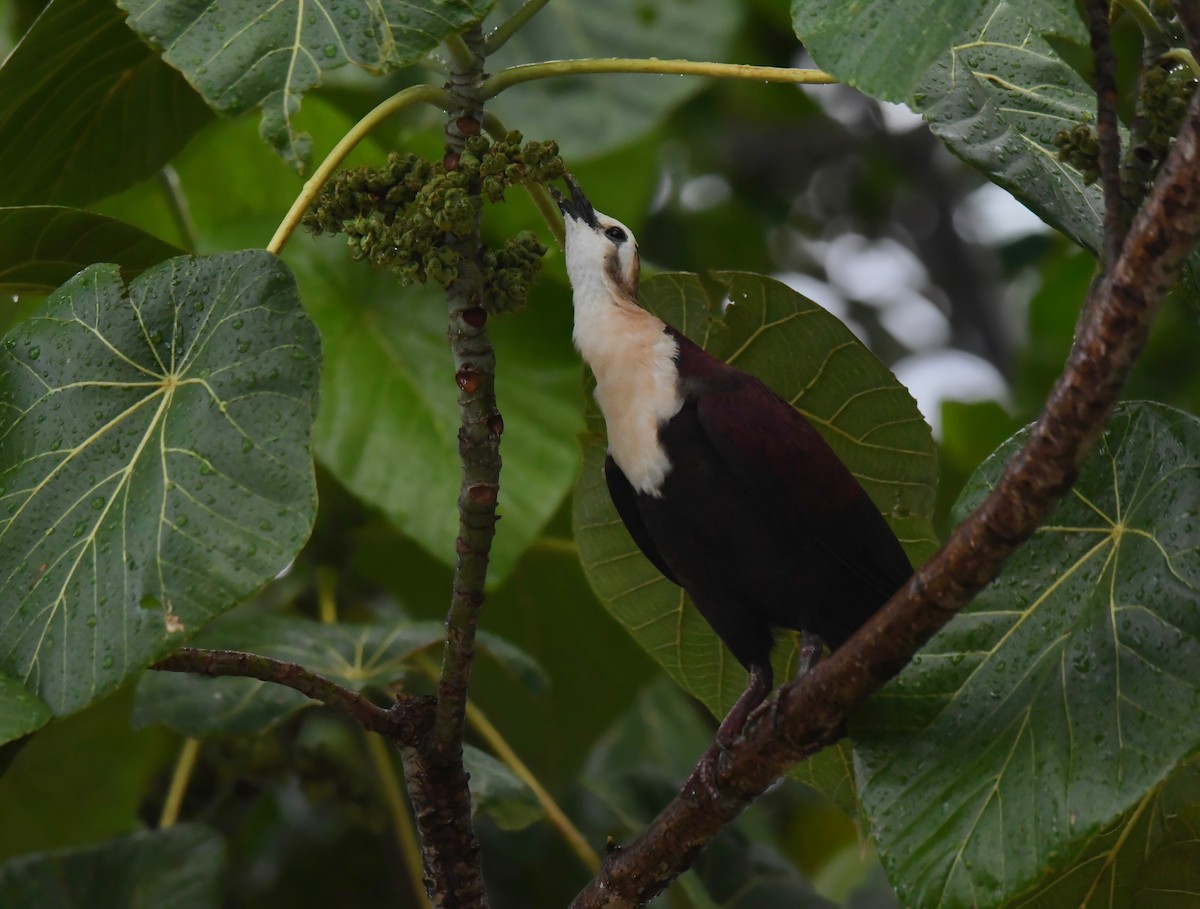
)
(178, 868)
(155, 466)
(261, 53)
(812, 360)
(881, 46)
(41, 246)
(87, 109)
(999, 99)
(1062, 695)
(388, 425)
(590, 115)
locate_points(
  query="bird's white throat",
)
(637, 383)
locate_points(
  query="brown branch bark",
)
(805, 716)
(433, 767)
(404, 723)
(1108, 137)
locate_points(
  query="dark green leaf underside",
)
(1063, 694)
(41, 246)
(155, 466)
(178, 868)
(812, 360)
(81, 88)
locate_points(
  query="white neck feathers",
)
(637, 382)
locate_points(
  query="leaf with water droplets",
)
(131, 511)
(1064, 694)
(261, 53)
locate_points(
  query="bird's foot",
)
(811, 648)
(704, 776)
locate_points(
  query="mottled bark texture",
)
(805, 716)
(437, 783)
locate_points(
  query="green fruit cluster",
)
(1079, 147)
(406, 215)
(1165, 93)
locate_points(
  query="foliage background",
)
(822, 186)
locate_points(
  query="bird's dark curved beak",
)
(577, 207)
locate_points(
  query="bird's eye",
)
(616, 235)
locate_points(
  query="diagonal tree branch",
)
(404, 723)
(805, 716)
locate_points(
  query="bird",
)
(725, 487)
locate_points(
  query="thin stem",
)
(181, 212)
(402, 823)
(184, 765)
(510, 26)
(1184, 56)
(460, 54)
(327, 594)
(527, 72)
(1107, 135)
(404, 723)
(1145, 19)
(430, 94)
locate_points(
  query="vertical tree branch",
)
(1105, 77)
(437, 782)
(808, 714)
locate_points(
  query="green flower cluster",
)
(402, 215)
(1079, 147)
(1165, 93)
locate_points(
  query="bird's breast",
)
(637, 388)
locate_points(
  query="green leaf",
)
(880, 46)
(178, 868)
(497, 792)
(589, 115)
(812, 360)
(155, 466)
(41, 246)
(1140, 852)
(87, 108)
(81, 779)
(21, 711)
(388, 425)
(1062, 695)
(260, 53)
(356, 656)
(999, 99)
(831, 772)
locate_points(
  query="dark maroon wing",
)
(625, 499)
(793, 474)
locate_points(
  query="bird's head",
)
(601, 253)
